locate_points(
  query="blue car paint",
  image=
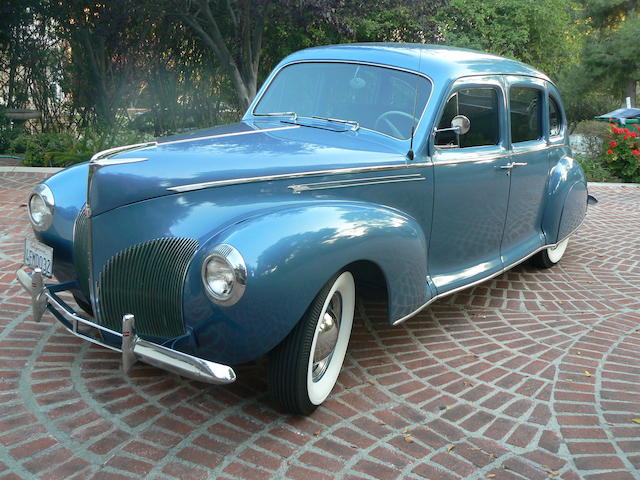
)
(276, 148)
(301, 247)
(293, 243)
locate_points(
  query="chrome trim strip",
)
(232, 134)
(486, 158)
(483, 279)
(263, 90)
(540, 148)
(411, 177)
(112, 151)
(148, 352)
(478, 159)
(288, 176)
(119, 161)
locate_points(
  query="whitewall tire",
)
(548, 257)
(304, 368)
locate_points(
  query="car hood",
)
(244, 150)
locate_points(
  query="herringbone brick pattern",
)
(535, 374)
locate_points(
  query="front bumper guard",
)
(133, 347)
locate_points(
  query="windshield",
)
(386, 100)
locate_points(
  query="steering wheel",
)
(384, 118)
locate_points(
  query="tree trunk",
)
(630, 91)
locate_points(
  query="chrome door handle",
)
(508, 166)
(518, 164)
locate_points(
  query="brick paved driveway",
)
(535, 374)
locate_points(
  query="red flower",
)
(636, 152)
(638, 126)
(613, 144)
(615, 130)
(610, 152)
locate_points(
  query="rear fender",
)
(566, 200)
(290, 254)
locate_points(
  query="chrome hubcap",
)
(328, 328)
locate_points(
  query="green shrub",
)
(593, 134)
(37, 148)
(64, 149)
(623, 152)
(7, 132)
(596, 169)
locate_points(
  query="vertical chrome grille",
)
(81, 254)
(146, 280)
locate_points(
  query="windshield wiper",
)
(354, 125)
(278, 114)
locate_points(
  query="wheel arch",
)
(299, 249)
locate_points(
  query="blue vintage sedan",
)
(420, 169)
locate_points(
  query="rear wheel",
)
(548, 257)
(304, 368)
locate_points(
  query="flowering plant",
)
(623, 152)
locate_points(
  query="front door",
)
(529, 163)
(471, 190)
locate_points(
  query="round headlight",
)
(224, 275)
(41, 204)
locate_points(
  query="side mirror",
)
(461, 123)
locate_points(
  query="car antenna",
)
(410, 153)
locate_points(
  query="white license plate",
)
(38, 255)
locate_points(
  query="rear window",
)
(555, 117)
(526, 114)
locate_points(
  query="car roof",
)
(436, 61)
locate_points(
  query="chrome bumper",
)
(133, 348)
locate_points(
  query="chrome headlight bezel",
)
(43, 194)
(233, 260)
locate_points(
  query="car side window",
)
(480, 106)
(555, 117)
(526, 114)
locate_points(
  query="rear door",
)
(529, 161)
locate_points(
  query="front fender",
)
(566, 200)
(290, 254)
(69, 188)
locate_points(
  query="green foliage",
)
(612, 56)
(39, 149)
(540, 33)
(623, 152)
(596, 169)
(593, 135)
(583, 98)
(7, 132)
(64, 149)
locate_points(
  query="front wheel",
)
(304, 368)
(548, 257)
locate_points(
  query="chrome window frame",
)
(563, 118)
(265, 87)
(495, 81)
(534, 83)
